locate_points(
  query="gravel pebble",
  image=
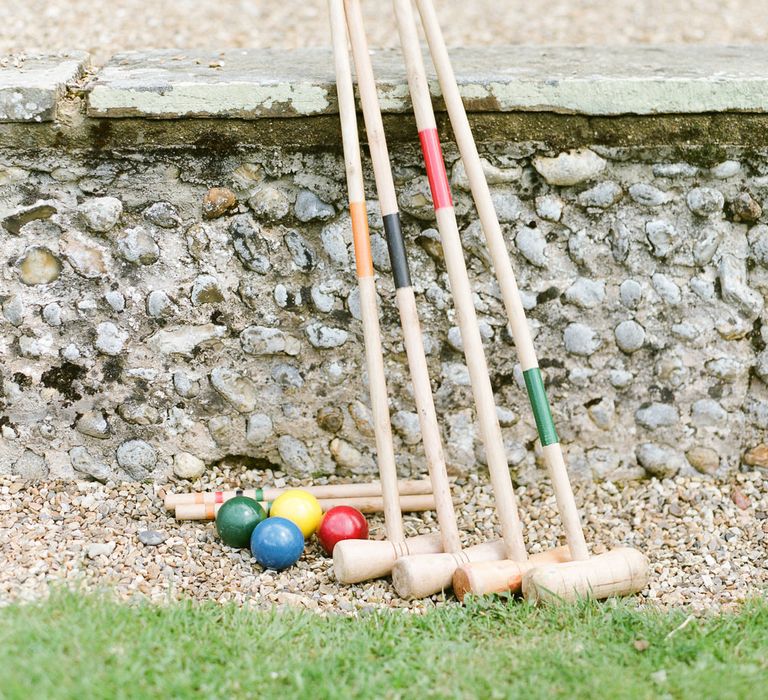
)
(39, 266)
(706, 541)
(217, 202)
(630, 336)
(309, 207)
(571, 167)
(705, 201)
(152, 538)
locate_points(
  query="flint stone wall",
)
(169, 302)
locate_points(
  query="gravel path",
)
(706, 541)
(104, 28)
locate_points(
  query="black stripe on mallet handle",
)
(404, 488)
(350, 553)
(368, 558)
(421, 576)
(618, 572)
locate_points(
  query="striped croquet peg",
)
(365, 504)
(404, 488)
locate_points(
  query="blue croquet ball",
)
(277, 543)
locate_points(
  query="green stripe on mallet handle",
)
(621, 571)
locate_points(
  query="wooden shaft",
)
(427, 574)
(566, 503)
(385, 451)
(365, 504)
(506, 278)
(478, 184)
(505, 576)
(404, 488)
(621, 571)
(393, 518)
(374, 125)
(430, 430)
(462, 293)
(361, 560)
(406, 302)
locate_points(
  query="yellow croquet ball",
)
(299, 507)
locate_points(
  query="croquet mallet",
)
(618, 572)
(358, 560)
(354, 554)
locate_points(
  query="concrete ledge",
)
(561, 97)
(587, 81)
(30, 88)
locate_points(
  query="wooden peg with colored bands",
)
(369, 504)
(404, 488)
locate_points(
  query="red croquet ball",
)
(341, 523)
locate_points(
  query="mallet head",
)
(361, 560)
(621, 571)
(504, 576)
(427, 574)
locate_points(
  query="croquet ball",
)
(341, 523)
(277, 543)
(300, 507)
(236, 520)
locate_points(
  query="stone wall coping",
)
(268, 83)
(569, 80)
(31, 87)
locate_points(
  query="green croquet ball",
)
(237, 519)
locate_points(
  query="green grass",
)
(85, 646)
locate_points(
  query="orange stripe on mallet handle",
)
(365, 504)
(405, 488)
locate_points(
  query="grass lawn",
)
(85, 646)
